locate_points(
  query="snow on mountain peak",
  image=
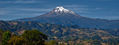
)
(61, 9)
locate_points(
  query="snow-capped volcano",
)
(60, 15)
(61, 9)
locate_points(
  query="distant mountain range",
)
(66, 17)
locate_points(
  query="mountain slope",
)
(63, 16)
(59, 31)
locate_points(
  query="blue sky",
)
(15, 9)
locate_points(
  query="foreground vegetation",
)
(31, 37)
(35, 37)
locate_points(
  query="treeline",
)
(29, 37)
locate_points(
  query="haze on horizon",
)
(15, 9)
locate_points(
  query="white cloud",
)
(34, 9)
(4, 11)
(21, 1)
(83, 8)
(76, 6)
(102, 0)
(23, 11)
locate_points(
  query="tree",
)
(5, 37)
(34, 37)
(51, 42)
(1, 32)
(16, 40)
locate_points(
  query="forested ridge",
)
(54, 34)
